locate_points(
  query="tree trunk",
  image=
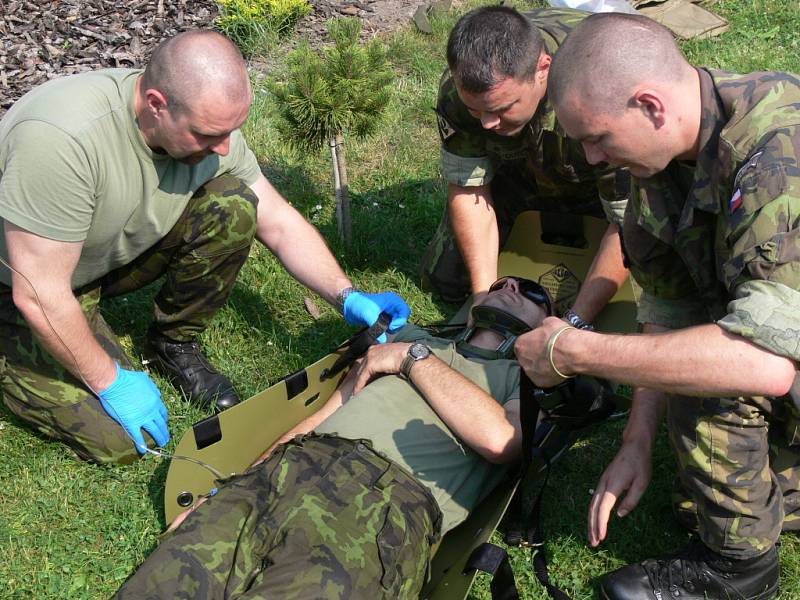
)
(337, 186)
(346, 227)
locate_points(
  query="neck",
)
(690, 116)
(486, 339)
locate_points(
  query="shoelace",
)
(678, 571)
(193, 349)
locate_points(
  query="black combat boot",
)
(188, 368)
(695, 573)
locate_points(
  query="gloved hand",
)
(133, 401)
(362, 309)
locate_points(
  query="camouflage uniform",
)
(539, 168)
(323, 517)
(201, 257)
(719, 241)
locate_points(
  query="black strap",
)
(530, 408)
(566, 411)
(494, 560)
(357, 345)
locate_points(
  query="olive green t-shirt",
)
(74, 167)
(405, 429)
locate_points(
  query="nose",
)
(221, 147)
(511, 284)
(593, 154)
(489, 120)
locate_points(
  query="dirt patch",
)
(377, 16)
(46, 39)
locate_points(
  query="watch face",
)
(419, 351)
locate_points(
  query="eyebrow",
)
(496, 109)
(211, 134)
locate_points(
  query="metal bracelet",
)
(577, 321)
(551, 344)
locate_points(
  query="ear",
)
(652, 105)
(543, 67)
(155, 101)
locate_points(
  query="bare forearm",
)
(473, 415)
(297, 244)
(66, 335)
(647, 411)
(41, 276)
(699, 361)
(604, 278)
(474, 226)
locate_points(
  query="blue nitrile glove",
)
(364, 309)
(133, 401)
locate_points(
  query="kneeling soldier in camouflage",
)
(333, 515)
(113, 180)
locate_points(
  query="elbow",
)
(781, 378)
(23, 299)
(501, 453)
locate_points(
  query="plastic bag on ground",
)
(596, 6)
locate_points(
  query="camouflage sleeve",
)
(463, 159)
(668, 295)
(763, 234)
(673, 313)
(465, 171)
(614, 189)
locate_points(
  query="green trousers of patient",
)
(323, 517)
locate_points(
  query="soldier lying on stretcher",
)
(419, 431)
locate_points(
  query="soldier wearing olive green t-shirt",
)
(108, 181)
(412, 440)
(503, 152)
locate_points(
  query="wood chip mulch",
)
(46, 39)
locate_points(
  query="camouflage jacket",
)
(719, 239)
(556, 165)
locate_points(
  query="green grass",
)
(72, 530)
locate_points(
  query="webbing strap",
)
(494, 560)
(357, 345)
(531, 522)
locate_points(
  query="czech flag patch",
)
(735, 201)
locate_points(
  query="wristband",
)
(551, 344)
(342, 296)
(577, 321)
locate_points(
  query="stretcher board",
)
(561, 270)
(233, 439)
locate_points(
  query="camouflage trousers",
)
(323, 517)
(200, 259)
(739, 470)
(442, 269)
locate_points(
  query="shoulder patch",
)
(750, 164)
(446, 131)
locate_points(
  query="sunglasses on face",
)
(530, 289)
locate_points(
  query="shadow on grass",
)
(650, 530)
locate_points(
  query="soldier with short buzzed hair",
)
(109, 181)
(504, 152)
(712, 234)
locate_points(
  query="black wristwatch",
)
(416, 352)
